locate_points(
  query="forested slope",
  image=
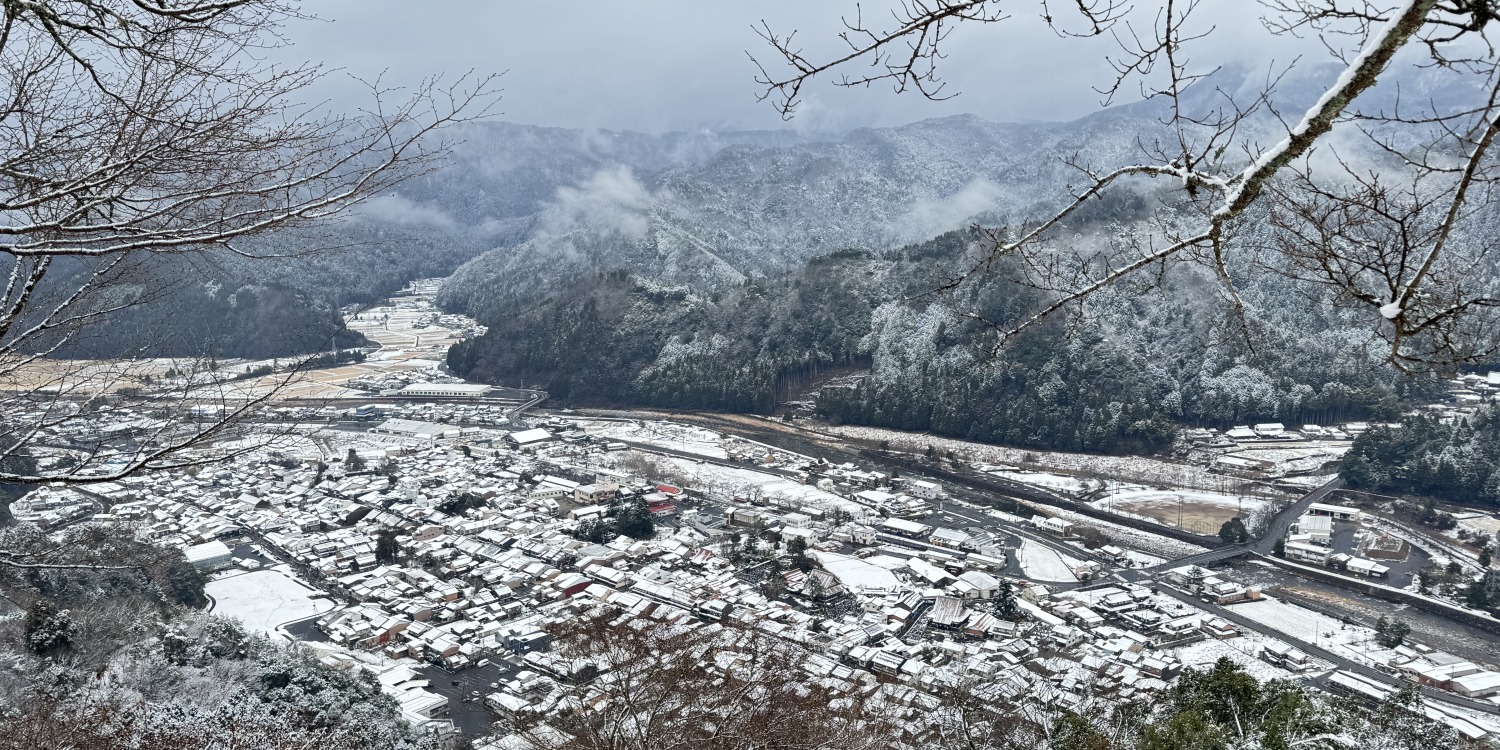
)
(1424, 456)
(1116, 380)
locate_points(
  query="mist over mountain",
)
(698, 270)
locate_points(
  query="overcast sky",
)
(659, 65)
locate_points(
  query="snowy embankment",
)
(1151, 471)
(1136, 468)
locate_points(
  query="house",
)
(1287, 657)
(1220, 591)
(587, 512)
(1270, 429)
(950, 538)
(948, 613)
(1218, 627)
(1368, 568)
(932, 574)
(1055, 526)
(595, 493)
(1187, 576)
(976, 585)
(413, 692)
(924, 490)
(854, 533)
(1117, 603)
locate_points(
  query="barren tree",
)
(135, 129)
(1255, 188)
(655, 686)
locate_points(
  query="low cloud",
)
(611, 201)
(929, 217)
(394, 209)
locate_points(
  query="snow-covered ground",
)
(725, 482)
(680, 437)
(263, 599)
(1143, 560)
(1045, 564)
(1244, 651)
(1125, 494)
(1197, 510)
(1159, 546)
(1056, 482)
(1350, 641)
(1133, 468)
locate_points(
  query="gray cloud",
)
(394, 209)
(657, 65)
(610, 201)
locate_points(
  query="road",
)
(1338, 661)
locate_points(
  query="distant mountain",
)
(750, 211)
(521, 213)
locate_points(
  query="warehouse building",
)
(445, 390)
(208, 556)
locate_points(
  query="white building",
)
(1316, 529)
(1337, 512)
(445, 390)
(530, 438)
(416, 429)
(1056, 526)
(209, 555)
(1307, 552)
(1368, 568)
(924, 490)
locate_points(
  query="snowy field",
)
(1133, 468)
(263, 599)
(1055, 482)
(1350, 641)
(1045, 564)
(726, 482)
(1244, 651)
(1196, 510)
(679, 437)
(1158, 546)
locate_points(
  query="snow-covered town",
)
(436, 536)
